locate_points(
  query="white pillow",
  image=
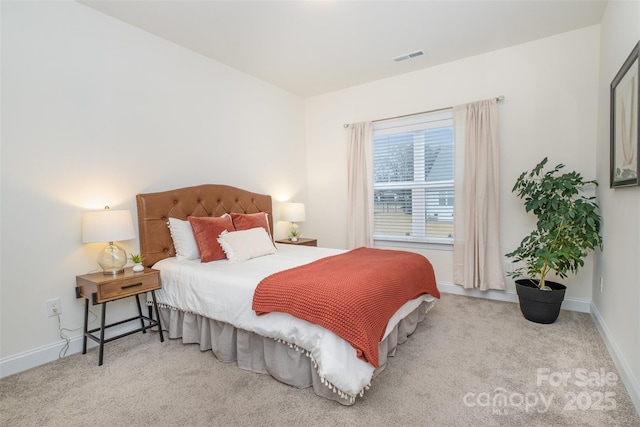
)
(183, 239)
(243, 245)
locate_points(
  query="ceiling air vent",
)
(408, 56)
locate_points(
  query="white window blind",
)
(413, 178)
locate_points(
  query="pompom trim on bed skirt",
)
(324, 381)
(345, 397)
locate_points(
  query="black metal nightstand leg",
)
(155, 305)
(104, 314)
(144, 330)
(86, 329)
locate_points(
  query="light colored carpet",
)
(452, 372)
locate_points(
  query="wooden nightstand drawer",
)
(127, 287)
(109, 288)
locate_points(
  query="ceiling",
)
(314, 47)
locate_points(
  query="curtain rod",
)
(346, 125)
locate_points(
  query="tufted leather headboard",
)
(155, 209)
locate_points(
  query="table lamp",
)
(293, 212)
(108, 226)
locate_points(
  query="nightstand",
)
(101, 288)
(302, 241)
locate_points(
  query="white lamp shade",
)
(107, 226)
(292, 211)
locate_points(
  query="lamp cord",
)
(62, 331)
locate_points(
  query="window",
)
(413, 179)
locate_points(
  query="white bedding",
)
(223, 291)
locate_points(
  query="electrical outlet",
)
(53, 307)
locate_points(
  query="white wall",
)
(550, 109)
(618, 305)
(94, 112)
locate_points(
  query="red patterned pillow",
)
(249, 221)
(206, 230)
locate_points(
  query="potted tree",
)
(567, 229)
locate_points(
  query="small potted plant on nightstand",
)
(137, 262)
(567, 229)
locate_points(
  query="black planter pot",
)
(540, 306)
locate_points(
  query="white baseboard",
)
(626, 375)
(573, 304)
(50, 352)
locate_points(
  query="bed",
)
(210, 303)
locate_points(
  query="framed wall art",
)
(625, 120)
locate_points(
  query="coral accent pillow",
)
(249, 221)
(206, 230)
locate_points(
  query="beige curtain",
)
(360, 182)
(477, 259)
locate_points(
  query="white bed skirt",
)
(283, 361)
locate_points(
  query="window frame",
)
(421, 122)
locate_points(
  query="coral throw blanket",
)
(352, 294)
